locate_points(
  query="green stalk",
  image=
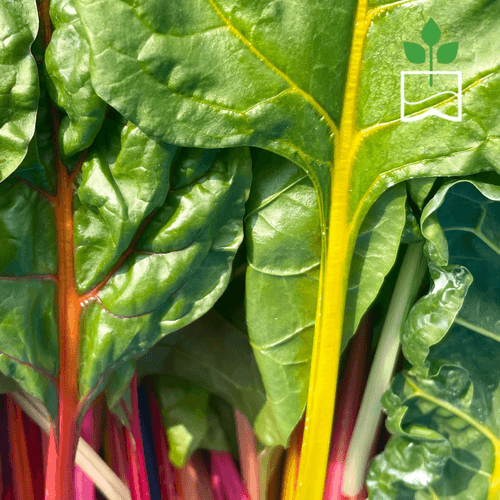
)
(410, 278)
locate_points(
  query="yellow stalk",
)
(333, 285)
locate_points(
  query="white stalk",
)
(370, 413)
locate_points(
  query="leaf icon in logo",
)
(414, 52)
(431, 33)
(447, 52)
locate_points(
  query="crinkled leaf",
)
(18, 82)
(119, 188)
(284, 246)
(38, 166)
(444, 410)
(177, 268)
(67, 64)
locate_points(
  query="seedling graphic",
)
(431, 35)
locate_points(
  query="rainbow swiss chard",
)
(116, 231)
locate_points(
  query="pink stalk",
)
(248, 456)
(232, 486)
(216, 483)
(138, 478)
(348, 402)
(166, 473)
(90, 432)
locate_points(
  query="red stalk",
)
(138, 477)
(248, 456)
(232, 486)
(19, 457)
(189, 482)
(166, 473)
(35, 455)
(9, 493)
(349, 396)
(117, 448)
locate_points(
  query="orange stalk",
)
(292, 461)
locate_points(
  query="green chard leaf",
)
(18, 82)
(67, 65)
(149, 281)
(444, 409)
(193, 418)
(214, 355)
(283, 238)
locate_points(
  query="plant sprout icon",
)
(431, 35)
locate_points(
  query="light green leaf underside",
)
(283, 246)
(193, 418)
(444, 410)
(18, 82)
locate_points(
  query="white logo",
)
(409, 116)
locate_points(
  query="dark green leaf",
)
(211, 353)
(443, 410)
(18, 82)
(178, 267)
(67, 63)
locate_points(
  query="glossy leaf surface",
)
(237, 73)
(444, 410)
(179, 264)
(18, 82)
(28, 332)
(67, 64)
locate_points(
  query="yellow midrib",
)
(494, 490)
(333, 284)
